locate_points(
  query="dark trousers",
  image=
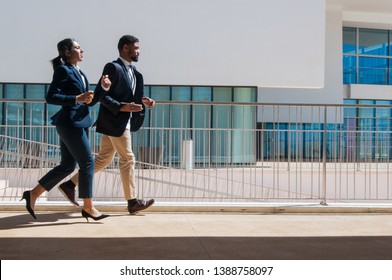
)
(75, 149)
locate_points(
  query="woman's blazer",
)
(67, 83)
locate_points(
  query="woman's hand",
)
(85, 97)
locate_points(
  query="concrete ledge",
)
(262, 208)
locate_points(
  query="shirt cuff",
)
(105, 88)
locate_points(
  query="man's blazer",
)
(66, 84)
(110, 120)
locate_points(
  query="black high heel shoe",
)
(95, 218)
(26, 196)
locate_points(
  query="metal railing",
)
(221, 152)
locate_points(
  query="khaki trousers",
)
(123, 147)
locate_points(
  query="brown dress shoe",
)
(140, 205)
(68, 190)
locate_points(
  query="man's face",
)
(132, 52)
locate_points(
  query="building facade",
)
(309, 52)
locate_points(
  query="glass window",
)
(35, 114)
(366, 126)
(35, 111)
(244, 117)
(181, 114)
(222, 118)
(14, 91)
(370, 64)
(180, 118)
(201, 94)
(349, 40)
(160, 92)
(390, 72)
(14, 110)
(161, 118)
(162, 112)
(373, 70)
(349, 69)
(202, 113)
(222, 114)
(181, 93)
(146, 92)
(35, 91)
(2, 117)
(373, 42)
(383, 116)
(350, 112)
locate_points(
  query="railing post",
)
(324, 181)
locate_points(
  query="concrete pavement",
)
(155, 235)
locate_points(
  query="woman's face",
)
(76, 54)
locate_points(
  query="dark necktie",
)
(132, 77)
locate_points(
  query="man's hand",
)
(148, 102)
(131, 107)
(105, 82)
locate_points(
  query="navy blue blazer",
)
(110, 120)
(66, 84)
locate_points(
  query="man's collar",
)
(126, 63)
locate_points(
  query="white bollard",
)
(187, 154)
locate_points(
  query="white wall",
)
(367, 20)
(372, 92)
(330, 94)
(187, 42)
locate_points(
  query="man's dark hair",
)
(125, 40)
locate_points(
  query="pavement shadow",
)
(199, 248)
(43, 219)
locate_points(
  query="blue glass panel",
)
(383, 116)
(201, 118)
(349, 138)
(14, 91)
(373, 42)
(390, 72)
(366, 126)
(222, 118)
(181, 93)
(1, 106)
(202, 113)
(161, 117)
(349, 112)
(52, 109)
(180, 119)
(35, 91)
(34, 112)
(13, 111)
(349, 69)
(350, 101)
(349, 40)
(147, 92)
(160, 92)
(373, 71)
(201, 94)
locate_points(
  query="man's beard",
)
(135, 58)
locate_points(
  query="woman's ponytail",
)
(62, 47)
(56, 62)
